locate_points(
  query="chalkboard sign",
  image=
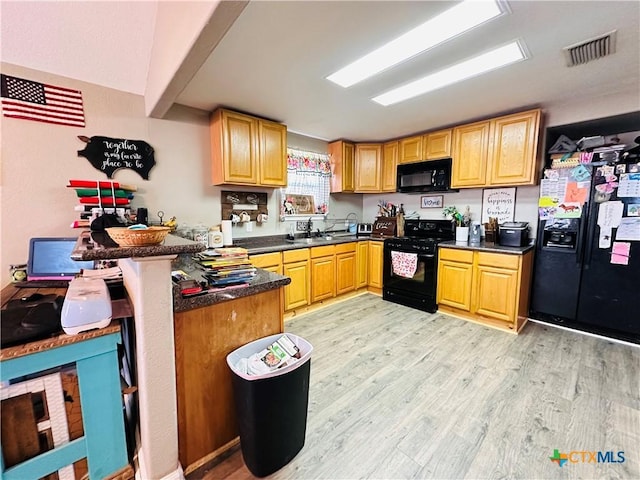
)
(110, 154)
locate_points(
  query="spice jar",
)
(18, 272)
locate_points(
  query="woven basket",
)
(137, 238)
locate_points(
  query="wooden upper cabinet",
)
(273, 153)
(470, 150)
(410, 149)
(437, 144)
(342, 166)
(389, 162)
(246, 150)
(233, 148)
(513, 150)
(368, 165)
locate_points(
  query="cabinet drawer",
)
(345, 247)
(323, 251)
(298, 255)
(266, 259)
(456, 255)
(499, 260)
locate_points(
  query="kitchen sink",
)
(310, 241)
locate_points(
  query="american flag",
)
(43, 103)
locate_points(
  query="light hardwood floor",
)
(398, 393)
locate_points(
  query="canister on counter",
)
(18, 272)
(201, 234)
(216, 238)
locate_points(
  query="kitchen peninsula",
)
(181, 372)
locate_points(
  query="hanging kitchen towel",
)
(404, 264)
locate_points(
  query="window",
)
(308, 173)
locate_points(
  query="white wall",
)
(39, 159)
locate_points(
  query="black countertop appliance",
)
(513, 234)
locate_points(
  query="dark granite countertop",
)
(489, 247)
(262, 282)
(279, 243)
(99, 246)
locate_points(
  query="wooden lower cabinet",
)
(268, 261)
(375, 263)
(295, 265)
(323, 273)
(203, 339)
(345, 268)
(491, 288)
(362, 264)
(455, 272)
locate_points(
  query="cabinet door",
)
(345, 272)
(375, 264)
(454, 284)
(389, 162)
(495, 292)
(410, 149)
(323, 278)
(513, 151)
(368, 162)
(362, 260)
(437, 144)
(296, 294)
(273, 153)
(235, 154)
(470, 150)
(342, 166)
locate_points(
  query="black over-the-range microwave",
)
(427, 176)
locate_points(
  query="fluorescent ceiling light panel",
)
(486, 62)
(453, 22)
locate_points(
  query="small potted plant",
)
(462, 221)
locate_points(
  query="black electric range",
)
(410, 267)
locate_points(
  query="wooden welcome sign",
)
(110, 154)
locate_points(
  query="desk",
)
(96, 359)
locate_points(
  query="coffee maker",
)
(475, 233)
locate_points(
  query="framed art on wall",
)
(432, 201)
(500, 203)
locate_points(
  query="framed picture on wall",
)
(432, 201)
(500, 203)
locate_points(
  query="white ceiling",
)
(274, 59)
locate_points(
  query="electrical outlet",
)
(301, 226)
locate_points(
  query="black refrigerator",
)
(587, 269)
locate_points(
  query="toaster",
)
(513, 234)
(364, 229)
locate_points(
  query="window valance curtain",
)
(309, 173)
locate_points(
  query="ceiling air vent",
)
(592, 49)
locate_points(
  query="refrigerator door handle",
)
(588, 224)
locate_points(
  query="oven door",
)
(409, 277)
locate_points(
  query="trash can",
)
(271, 408)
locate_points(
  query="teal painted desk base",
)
(103, 443)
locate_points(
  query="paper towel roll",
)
(227, 235)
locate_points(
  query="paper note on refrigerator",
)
(610, 214)
(620, 253)
(629, 185)
(629, 229)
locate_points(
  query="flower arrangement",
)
(460, 219)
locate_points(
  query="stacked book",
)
(97, 197)
(226, 266)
